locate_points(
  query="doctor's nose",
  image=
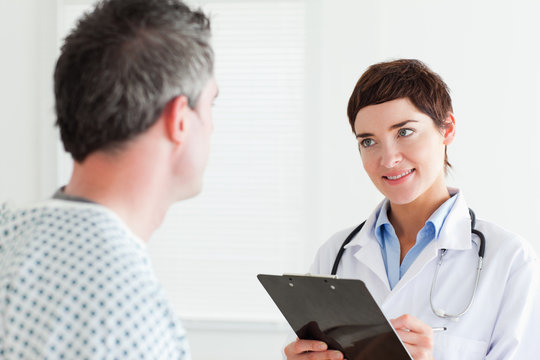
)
(390, 156)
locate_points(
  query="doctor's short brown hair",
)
(403, 78)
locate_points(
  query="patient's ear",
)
(449, 129)
(175, 116)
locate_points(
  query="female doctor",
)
(417, 253)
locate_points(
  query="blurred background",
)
(285, 172)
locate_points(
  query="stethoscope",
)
(437, 311)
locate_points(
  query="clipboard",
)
(340, 312)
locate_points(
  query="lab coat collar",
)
(456, 231)
(455, 234)
(368, 250)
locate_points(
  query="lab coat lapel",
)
(368, 252)
(429, 253)
(370, 256)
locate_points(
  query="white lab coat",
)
(504, 320)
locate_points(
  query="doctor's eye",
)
(367, 143)
(405, 132)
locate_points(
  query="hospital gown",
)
(75, 283)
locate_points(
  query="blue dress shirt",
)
(388, 240)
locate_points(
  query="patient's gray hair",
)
(122, 64)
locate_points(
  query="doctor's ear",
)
(449, 129)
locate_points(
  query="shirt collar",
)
(436, 219)
(381, 221)
(454, 234)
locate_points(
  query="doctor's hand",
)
(311, 350)
(416, 335)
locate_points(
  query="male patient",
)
(134, 87)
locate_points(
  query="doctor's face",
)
(402, 150)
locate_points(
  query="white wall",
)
(17, 94)
(27, 137)
(487, 52)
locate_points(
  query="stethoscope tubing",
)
(439, 312)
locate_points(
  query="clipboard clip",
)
(313, 275)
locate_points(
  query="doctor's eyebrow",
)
(401, 124)
(395, 126)
(364, 135)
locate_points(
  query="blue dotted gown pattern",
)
(75, 283)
